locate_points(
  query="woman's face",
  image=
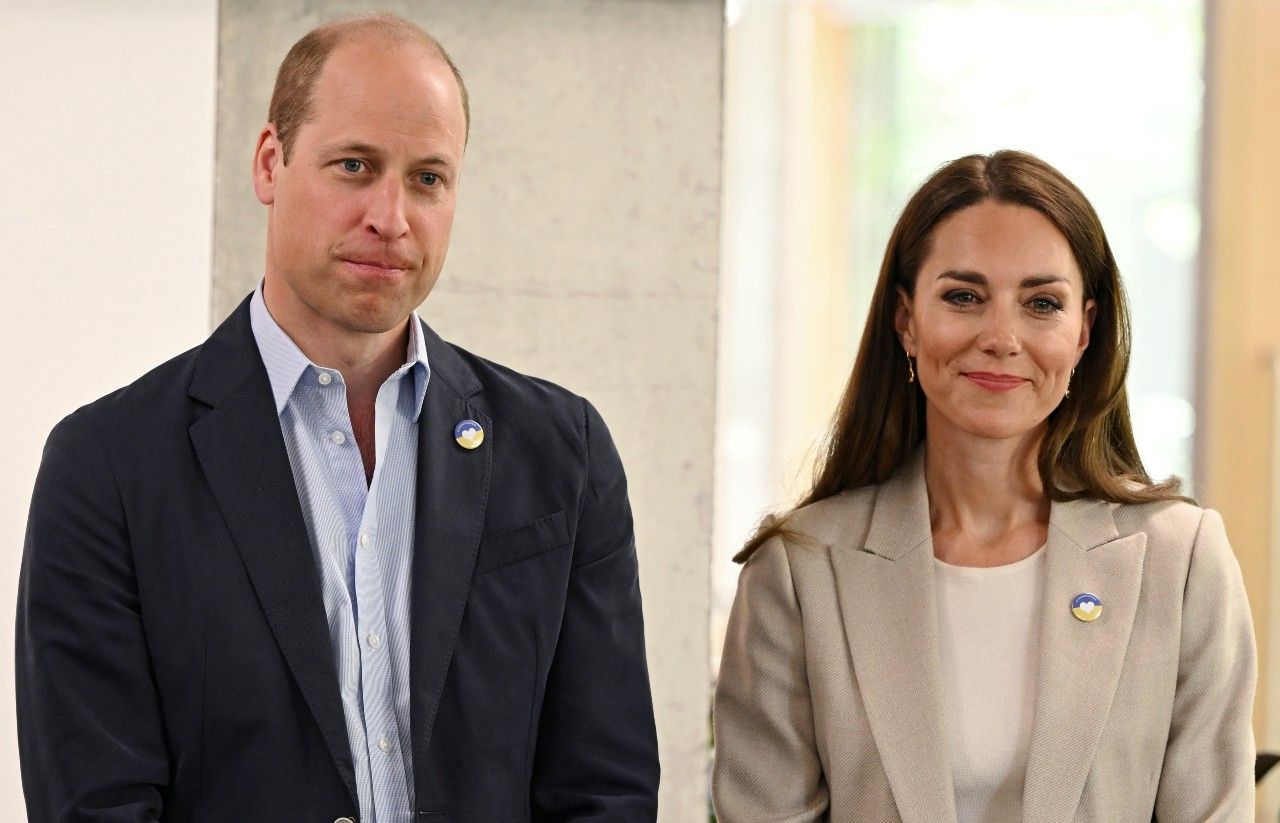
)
(997, 323)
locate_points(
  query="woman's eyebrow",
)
(978, 279)
(1037, 280)
(965, 276)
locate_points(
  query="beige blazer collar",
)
(1080, 663)
(885, 585)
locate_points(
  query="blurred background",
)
(1164, 112)
(693, 195)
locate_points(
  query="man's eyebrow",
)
(979, 279)
(372, 151)
(353, 148)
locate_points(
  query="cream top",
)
(989, 621)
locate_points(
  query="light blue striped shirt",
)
(362, 538)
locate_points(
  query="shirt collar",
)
(286, 363)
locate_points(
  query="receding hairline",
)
(293, 95)
(392, 28)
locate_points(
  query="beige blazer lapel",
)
(1080, 662)
(888, 606)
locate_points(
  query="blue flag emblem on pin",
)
(1086, 607)
(468, 433)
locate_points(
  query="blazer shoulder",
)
(513, 394)
(136, 405)
(1166, 523)
(1177, 533)
(841, 518)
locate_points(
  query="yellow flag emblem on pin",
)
(1086, 607)
(468, 434)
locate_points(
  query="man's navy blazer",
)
(173, 658)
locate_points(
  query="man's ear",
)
(267, 157)
(902, 322)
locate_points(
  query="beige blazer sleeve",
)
(1211, 742)
(766, 767)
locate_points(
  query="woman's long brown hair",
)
(1088, 450)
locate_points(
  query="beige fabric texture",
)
(829, 703)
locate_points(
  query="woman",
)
(984, 609)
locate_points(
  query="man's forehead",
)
(368, 92)
(374, 59)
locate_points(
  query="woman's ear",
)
(1090, 312)
(903, 322)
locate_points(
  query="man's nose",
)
(385, 215)
(999, 336)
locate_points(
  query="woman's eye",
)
(961, 297)
(1045, 305)
(353, 166)
(429, 178)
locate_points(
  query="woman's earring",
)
(1069, 377)
(911, 370)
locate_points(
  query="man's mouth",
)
(376, 267)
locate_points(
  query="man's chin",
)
(375, 315)
(366, 323)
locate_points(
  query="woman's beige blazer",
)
(829, 703)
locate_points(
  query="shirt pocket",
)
(522, 543)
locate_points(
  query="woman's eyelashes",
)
(961, 297)
(1045, 305)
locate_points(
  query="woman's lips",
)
(995, 382)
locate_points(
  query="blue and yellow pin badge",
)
(468, 433)
(1086, 607)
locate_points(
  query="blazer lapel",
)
(452, 493)
(1080, 662)
(241, 449)
(887, 602)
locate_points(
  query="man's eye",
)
(429, 178)
(353, 166)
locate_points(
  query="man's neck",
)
(365, 359)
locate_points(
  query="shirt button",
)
(325, 378)
(374, 640)
(384, 744)
(337, 438)
(365, 541)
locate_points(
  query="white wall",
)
(106, 204)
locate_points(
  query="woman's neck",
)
(987, 505)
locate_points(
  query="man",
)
(328, 566)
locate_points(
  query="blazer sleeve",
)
(90, 734)
(596, 757)
(766, 759)
(1208, 762)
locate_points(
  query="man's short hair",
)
(291, 99)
